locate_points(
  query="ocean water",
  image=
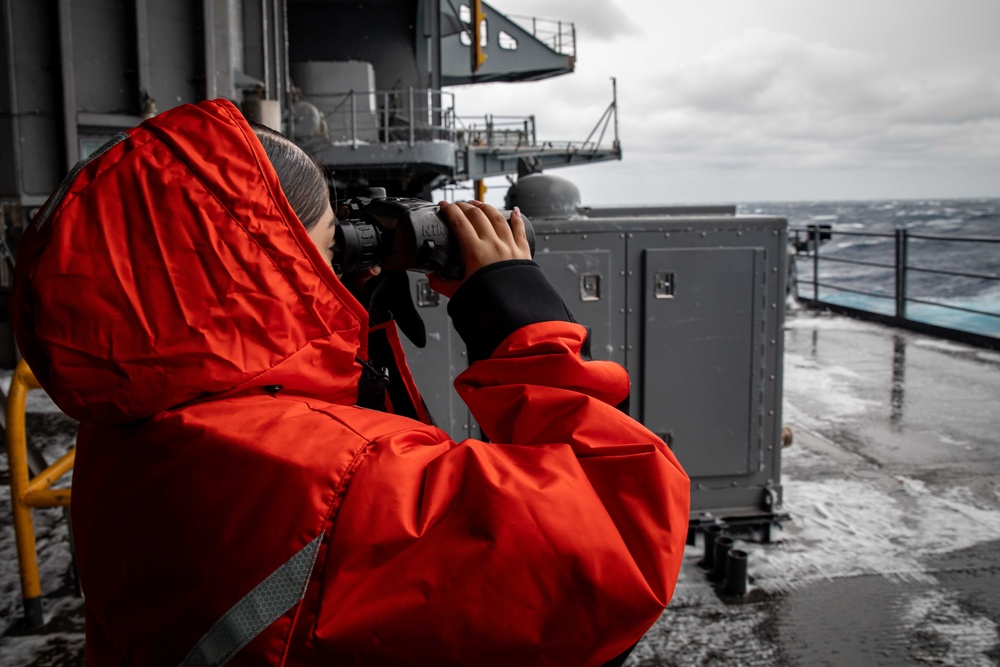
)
(958, 218)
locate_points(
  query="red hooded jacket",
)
(230, 501)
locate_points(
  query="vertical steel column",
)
(478, 35)
(282, 68)
(614, 105)
(72, 147)
(385, 116)
(814, 237)
(147, 105)
(901, 273)
(354, 121)
(265, 39)
(412, 117)
(211, 59)
(7, 44)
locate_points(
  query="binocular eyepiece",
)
(399, 233)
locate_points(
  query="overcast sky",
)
(755, 100)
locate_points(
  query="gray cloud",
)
(778, 99)
(775, 98)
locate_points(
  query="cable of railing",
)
(952, 307)
(809, 230)
(974, 239)
(889, 235)
(949, 272)
(853, 291)
(861, 262)
(937, 304)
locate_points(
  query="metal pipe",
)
(814, 233)
(854, 291)
(884, 235)
(861, 262)
(281, 67)
(614, 102)
(947, 272)
(723, 545)
(412, 117)
(7, 44)
(385, 116)
(46, 478)
(478, 35)
(972, 311)
(211, 88)
(70, 130)
(708, 557)
(736, 573)
(937, 237)
(266, 46)
(354, 121)
(24, 527)
(142, 56)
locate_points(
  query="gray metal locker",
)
(693, 306)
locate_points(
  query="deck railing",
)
(560, 36)
(387, 116)
(358, 117)
(888, 294)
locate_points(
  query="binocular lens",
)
(396, 233)
(357, 246)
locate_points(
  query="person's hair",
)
(302, 180)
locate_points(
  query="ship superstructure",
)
(361, 85)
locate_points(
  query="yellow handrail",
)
(29, 492)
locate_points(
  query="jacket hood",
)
(169, 267)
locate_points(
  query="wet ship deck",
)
(893, 488)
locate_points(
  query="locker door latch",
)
(590, 287)
(663, 285)
(426, 297)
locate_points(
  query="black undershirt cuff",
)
(499, 299)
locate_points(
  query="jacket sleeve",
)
(558, 543)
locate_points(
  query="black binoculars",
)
(399, 233)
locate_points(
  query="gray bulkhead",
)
(690, 304)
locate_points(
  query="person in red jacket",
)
(232, 503)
